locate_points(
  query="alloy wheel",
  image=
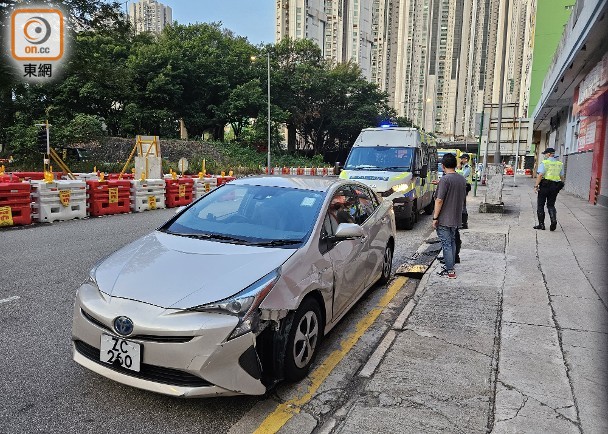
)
(305, 340)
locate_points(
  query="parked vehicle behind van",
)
(399, 164)
(441, 152)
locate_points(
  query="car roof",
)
(316, 183)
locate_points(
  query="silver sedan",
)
(237, 290)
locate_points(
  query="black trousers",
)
(465, 213)
(547, 193)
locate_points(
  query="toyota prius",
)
(237, 290)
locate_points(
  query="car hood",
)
(178, 272)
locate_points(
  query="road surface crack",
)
(429, 335)
(559, 339)
(526, 398)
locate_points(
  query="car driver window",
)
(341, 208)
(367, 204)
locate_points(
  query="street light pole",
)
(502, 80)
(268, 65)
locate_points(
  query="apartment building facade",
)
(341, 28)
(149, 16)
(438, 60)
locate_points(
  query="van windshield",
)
(393, 158)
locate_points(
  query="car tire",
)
(303, 341)
(387, 264)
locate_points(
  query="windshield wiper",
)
(204, 236)
(396, 167)
(274, 243)
(363, 167)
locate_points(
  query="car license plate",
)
(121, 351)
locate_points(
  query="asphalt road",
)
(43, 390)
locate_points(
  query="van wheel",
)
(303, 341)
(408, 223)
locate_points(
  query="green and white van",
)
(399, 164)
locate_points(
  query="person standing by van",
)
(447, 215)
(465, 170)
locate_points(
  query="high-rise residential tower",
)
(149, 16)
(438, 60)
(342, 28)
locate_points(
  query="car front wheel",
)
(303, 341)
(387, 264)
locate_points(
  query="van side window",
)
(419, 159)
(432, 159)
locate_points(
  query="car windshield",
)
(251, 214)
(396, 159)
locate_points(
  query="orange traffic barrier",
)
(224, 179)
(108, 197)
(35, 176)
(178, 192)
(15, 203)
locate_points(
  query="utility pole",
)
(268, 54)
(502, 80)
(479, 151)
(46, 160)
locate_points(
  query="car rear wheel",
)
(303, 341)
(387, 264)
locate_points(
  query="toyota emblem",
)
(123, 325)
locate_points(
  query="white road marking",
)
(13, 298)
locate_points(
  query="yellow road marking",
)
(285, 411)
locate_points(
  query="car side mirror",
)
(348, 230)
(424, 171)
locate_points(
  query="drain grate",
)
(420, 261)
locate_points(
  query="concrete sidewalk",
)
(517, 343)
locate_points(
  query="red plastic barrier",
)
(224, 179)
(114, 176)
(108, 197)
(9, 178)
(178, 192)
(36, 176)
(16, 196)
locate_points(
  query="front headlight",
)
(402, 188)
(244, 304)
(90, 280)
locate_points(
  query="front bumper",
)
(183, 353)
(402, 206)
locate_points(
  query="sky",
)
(254, 19)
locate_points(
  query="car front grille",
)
(157, 374)
(151, 338)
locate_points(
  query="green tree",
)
(293, 63)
